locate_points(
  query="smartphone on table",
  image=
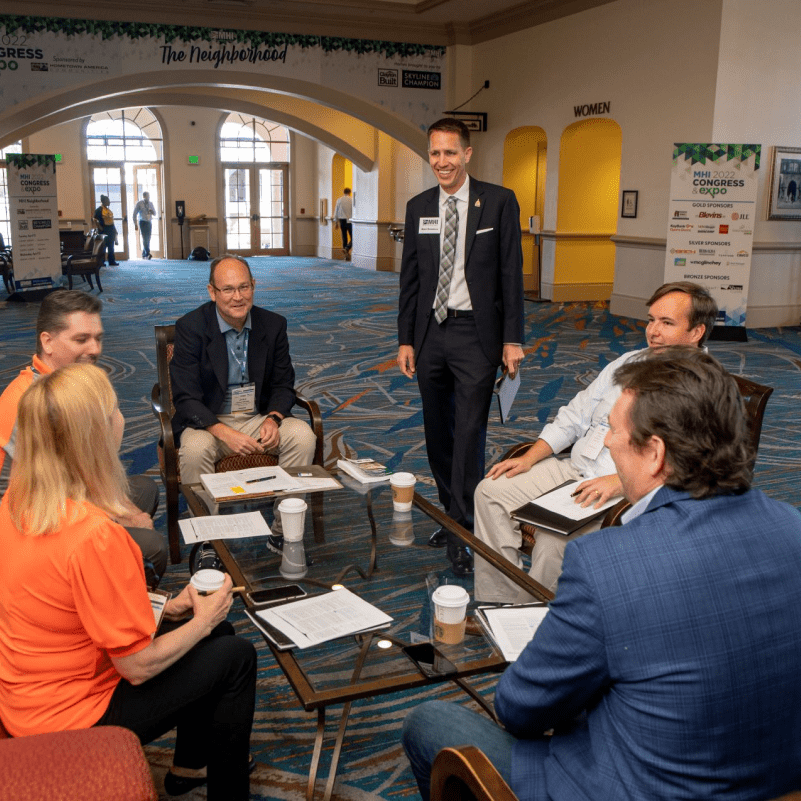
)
(272, 594)
(429, 660)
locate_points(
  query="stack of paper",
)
(255, 482)
(511, 627)
(367, 471)
(325, 617)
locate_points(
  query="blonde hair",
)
(65, 450)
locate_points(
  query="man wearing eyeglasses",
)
(233, 384)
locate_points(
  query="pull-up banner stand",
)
(33, 208)
(713, 191)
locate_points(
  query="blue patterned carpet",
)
(342, 336)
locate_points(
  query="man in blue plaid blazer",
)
(667, 665)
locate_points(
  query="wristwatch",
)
(276, 419)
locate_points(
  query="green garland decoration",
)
(186, 34)
(22, 161)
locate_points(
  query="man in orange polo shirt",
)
(68, 330)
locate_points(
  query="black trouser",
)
(147, 229)
(210, 695)
(456, 381)
(347, 233)
(110, 232)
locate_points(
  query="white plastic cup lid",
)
(292, 505)
(402, 479)
(450, 596)
(208, 580)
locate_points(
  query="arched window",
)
(124, 149)
(254, 155)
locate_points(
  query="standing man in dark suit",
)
(233, 384)
(460, 317)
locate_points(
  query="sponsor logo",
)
(706, 229)
(679, 215)
(710, 214)
(22, 225)
(417, 79)
(679, 262)
(737, 216)
(681, 227)
(38, 66)
(706, 251)
(733, 288)
(40, 224)
(742, 254)
(387, 77)
(682, 250)
(723, 229)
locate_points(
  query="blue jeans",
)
(435, 725)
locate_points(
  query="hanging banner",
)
(42, 55)
(33, 210)
(713, 191)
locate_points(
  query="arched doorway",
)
(525, 152)
(341, 177)
(124, 150)
(254, 155)
(589, 180)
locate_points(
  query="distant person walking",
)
(343, 212)
(104, 219)
(144, 212)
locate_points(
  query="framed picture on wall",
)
(629, 203)
(784, 202)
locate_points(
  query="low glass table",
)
(353, 537)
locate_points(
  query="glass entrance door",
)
(108, 180)
(255, 209)
(146, 179)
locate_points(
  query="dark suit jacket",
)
(199, 366)
(493, 268)
(678, 634)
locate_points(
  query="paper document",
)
(320, 618)
(223, 527)
(253, 482)
(562, 503)
(513, 627)
(507, 392)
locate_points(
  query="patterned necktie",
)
(446, 262)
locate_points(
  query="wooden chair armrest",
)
(517, 450)
(316, 422)
(614, 513)
(167, 437)
(467, 767)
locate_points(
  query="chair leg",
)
(99, 285)
(173, 529)
(88, 277)
(69, 279)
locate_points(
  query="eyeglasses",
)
(230, 291)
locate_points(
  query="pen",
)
(572, 494)
(255, 480)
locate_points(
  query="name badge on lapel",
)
(429, 225)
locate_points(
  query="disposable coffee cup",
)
(207, 581)
(293, 560)
(450, 610)
(402, 491)
(293, 518)
(402, 533)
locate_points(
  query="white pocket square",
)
(483, 231)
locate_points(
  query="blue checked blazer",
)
(670, 661)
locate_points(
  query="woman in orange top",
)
(77, 632)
